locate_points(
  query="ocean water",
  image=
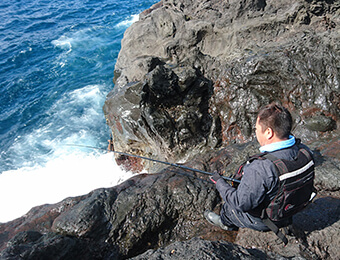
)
(56, 68)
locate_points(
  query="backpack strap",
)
(278, 163)
(270, 224)
(306, 153)
(280, 169)
(238, 173)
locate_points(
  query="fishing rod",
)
(154, 160)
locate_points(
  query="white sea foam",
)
(64, 176)
(51, 167)
(81, 39)
(129, 21)
(64, 43)
(76, 118)
(78, 44)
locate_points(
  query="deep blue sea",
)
(56, 68)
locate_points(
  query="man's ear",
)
(269, 133)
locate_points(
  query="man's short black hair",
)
(278, 118)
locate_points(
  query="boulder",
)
(147, 211)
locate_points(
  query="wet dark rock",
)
(326, 155)
(38, 219)
(202, 69)
(147, 211)
(53, 246)
(251, 53)
(320, 123)
(202, 249)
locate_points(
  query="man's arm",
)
(251, 191)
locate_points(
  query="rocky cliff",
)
(191, 75)
(189, 80)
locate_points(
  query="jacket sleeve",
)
(255, 183)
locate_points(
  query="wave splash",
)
(68, 175)
(50, 168)
(126, 23)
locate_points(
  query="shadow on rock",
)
(316, 233)
(202, 249)
(322, 213)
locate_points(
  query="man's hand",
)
(214, 178)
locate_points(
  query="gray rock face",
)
(202, 69)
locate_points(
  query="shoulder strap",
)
(306, 153)
(238, 172)
(256, 156)
(280, 169)
(279, 164)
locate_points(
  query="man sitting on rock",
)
(260, 181)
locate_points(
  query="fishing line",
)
(154, 160)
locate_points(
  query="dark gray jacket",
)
(259, 182)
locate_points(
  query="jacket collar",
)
(278, 145)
